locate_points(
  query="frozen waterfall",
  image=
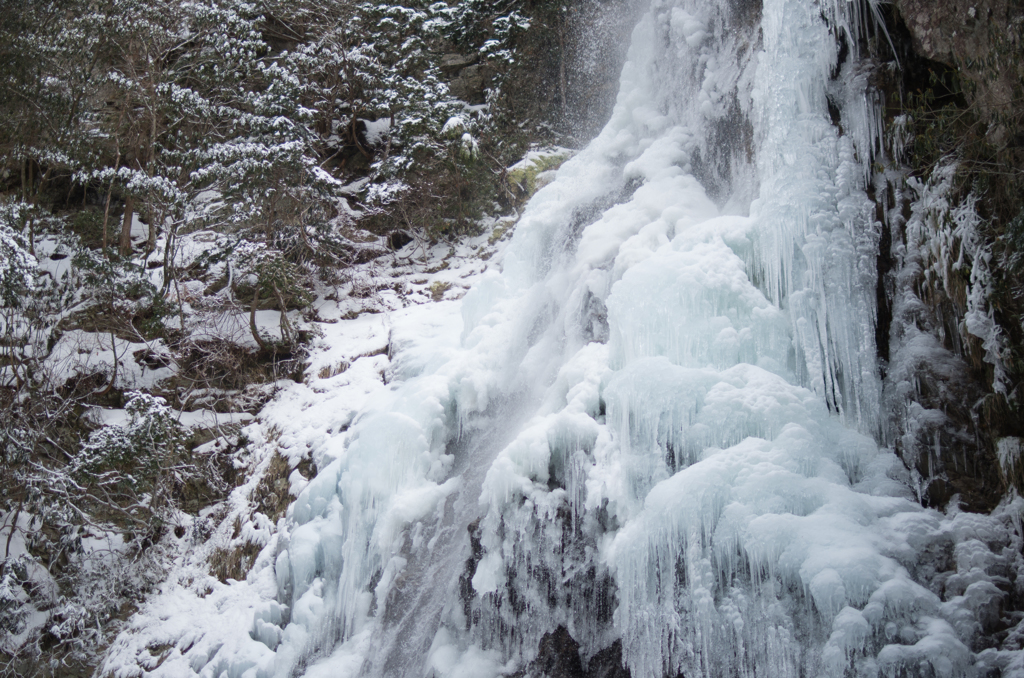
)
(661, 425)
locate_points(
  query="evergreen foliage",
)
(278, 127)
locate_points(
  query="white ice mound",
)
(773, 513)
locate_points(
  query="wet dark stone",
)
(398, 239)
(558, 656)
(608, 663)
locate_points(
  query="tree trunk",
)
(113, 376)
(562, 81)
(170, 275)
(14, 526)
(151, 240)
(252, 320)
(106, 210)
(286, 327)
(126, 227)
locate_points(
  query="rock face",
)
(469, 79)
(968, 54)
(559, 657)
(568, 66)
(980, 38)
(566, 72)
(954, 29)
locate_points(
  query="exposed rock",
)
(972, 47)
(469, 85)
(535, 171)
(559, 657)
(953, 31)
(568, 65)
(398, 239)
(981, 38)
(608, 663)
(456, 62)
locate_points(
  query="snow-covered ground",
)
(398, 316)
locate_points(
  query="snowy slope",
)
(405, 304)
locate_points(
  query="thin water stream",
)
(430, 580)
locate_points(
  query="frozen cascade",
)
(660, 426)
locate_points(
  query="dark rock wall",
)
(979, 38)
(959, 84)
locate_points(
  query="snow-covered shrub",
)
(13, 573)
(18, 269)
(17, 265)
(137, 464)
(271, 275)
(120, 289)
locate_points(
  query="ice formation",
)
(660, 424)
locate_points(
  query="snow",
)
(232, 627)
(16, 528)
(534, 157)
(53, 258)
(139, 229)
(79, 354)
(197, 419)
(454, 124)
(234, 328)
(655, 424)
(377, 130)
